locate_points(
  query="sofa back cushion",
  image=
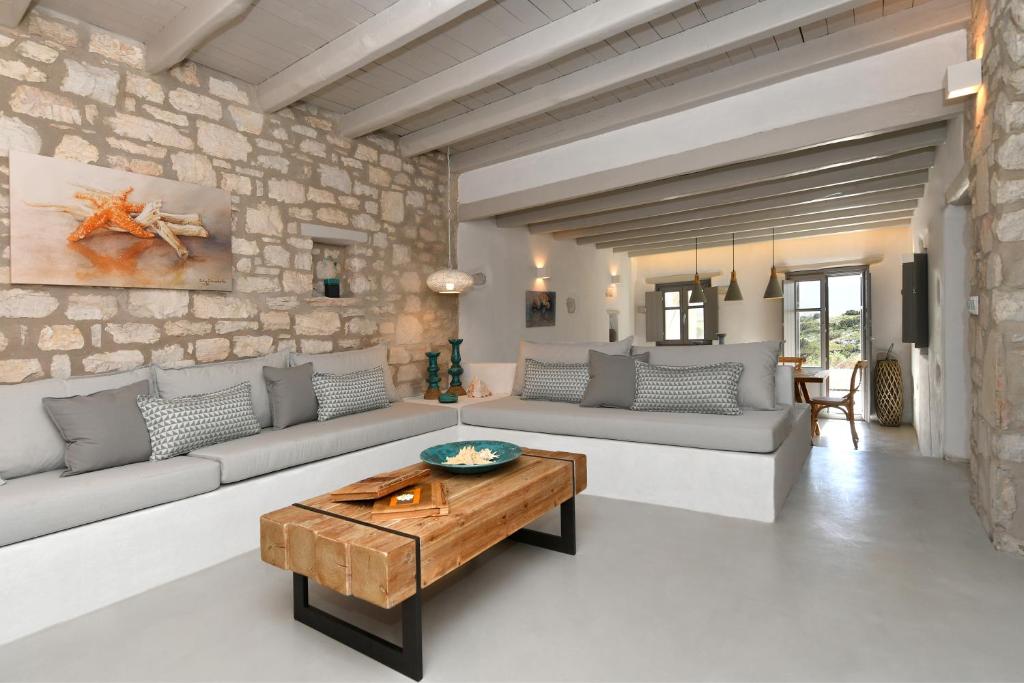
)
(31, 443)
(345, 362)
(562, 352)
(211, 377)
(759, 359)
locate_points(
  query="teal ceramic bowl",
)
(436, 455)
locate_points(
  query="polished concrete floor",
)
(877, 570)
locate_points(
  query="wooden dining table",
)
(801, 378)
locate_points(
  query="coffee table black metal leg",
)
(563, 542)
(407, 659)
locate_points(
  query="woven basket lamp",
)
(889, 391)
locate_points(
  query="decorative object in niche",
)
(477, 389)
(455, 369)
(433, 376)
(332, 288)
(79, 224)
(540, 309)
(570, 305)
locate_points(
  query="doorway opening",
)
(827, 320)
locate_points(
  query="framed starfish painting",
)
(79, 224)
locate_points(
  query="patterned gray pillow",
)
(181, 425)
(562, 382)
(354, 392)
(712, 389)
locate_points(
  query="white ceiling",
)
(277, 33)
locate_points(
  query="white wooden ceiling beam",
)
(747, 25)
(189, 29)
(577, 30)
(863, 202)
(766, 235)
(801, 163)
(385, 32)
(919, 23)
(850, 190)
(723, 229)
(893, 90)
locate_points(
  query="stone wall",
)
(995, 149)
(74, 91)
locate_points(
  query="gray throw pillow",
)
(711, 389)
(354, 392)
(181, 425)
(612, 380)
(101, 430)
(292, 400)
(562, 382)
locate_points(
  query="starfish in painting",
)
(114, 210)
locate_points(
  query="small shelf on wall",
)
(337, 237)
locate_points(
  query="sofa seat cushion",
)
(279, 449)
(44, 503)
(755, 431)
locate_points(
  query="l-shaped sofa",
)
(73, 544)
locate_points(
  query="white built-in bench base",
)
(746, 485)
(50, 579)
(54, 578)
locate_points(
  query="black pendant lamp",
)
(733, 293)
(697, 293)
(774, 288)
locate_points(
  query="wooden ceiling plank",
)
(535, 48)
(732, 30)
(768, 197)
(850, 203)
(737, 175)
(189, 29)
(779, 237)
(379, 35)
(860, 41)
(724, 228)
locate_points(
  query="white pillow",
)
(563, 352)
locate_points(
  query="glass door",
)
(826, 317)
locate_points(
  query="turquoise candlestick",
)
(455, 370)
(433, 376)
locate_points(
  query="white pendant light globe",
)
(448, 281)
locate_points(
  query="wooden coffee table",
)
(389, 563)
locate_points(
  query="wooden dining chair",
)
(843, 403)
(796, 361)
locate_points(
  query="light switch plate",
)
(972, 305)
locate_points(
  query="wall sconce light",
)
(615, 279)
(963, 80)
(542, 273)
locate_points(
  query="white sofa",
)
(736, 466)
(138, 538)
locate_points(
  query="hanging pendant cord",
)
(734, 251)
(448, 204)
